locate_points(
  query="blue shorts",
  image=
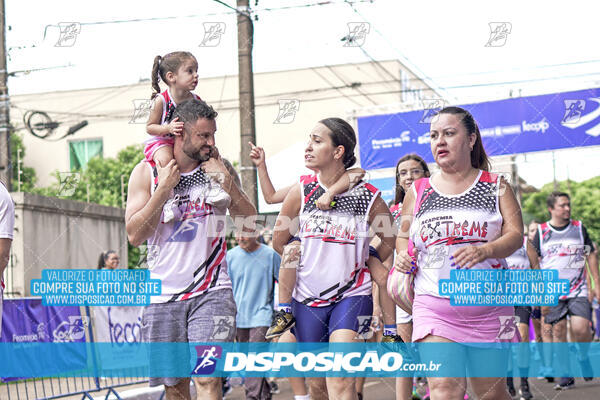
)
(315, 324)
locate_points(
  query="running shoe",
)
(421, 388)
(546, 373)
(524, 390)
(391, 339)
(415, 394)
(587, 370)
(274, 387)
(510, 386)
(565, 384)
(282, 321)
(171, 210)
(226, 387)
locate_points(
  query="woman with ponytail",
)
(332, 299)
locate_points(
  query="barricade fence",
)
(27, 322)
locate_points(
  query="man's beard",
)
(196, 155)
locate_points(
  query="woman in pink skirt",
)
(462, 217)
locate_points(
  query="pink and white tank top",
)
(188, 253)
(169, 106)
(335, 245)
(444, 223)
(396, 211)
(565, 251)
(519, 259)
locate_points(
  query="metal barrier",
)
(61, 387)
(55, 388)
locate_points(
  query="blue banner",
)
(301, 359)
(512, 126)
(387, 186)
(27, 325)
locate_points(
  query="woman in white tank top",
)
(332, 297)
(464, 217)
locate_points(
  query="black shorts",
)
(579, 306)
(524, 313)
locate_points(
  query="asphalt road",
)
(383, 389)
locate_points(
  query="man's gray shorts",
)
(579, 306)
(209, 317)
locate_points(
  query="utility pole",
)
(5, 167)
(246, 99)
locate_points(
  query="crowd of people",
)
(331, 264)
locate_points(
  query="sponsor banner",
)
(307, 359)
(103, 287)
(488, 287)
(28, 326)
(122, 327)
(387, 186)
(511, 126)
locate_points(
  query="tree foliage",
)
(585, 203)
(100, 183)
(28, 177)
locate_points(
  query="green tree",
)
(28, 177)
(100, 183)
(585, 202)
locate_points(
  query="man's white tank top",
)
(188, 253)
(565, 251)
(444, 223)
(335, 245)
(519, 259)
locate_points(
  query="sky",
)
(550, 48)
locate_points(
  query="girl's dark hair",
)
(103, 257)
(167, 63)
(400, 193)
(479, 158)
(342, 134)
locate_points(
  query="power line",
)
(341, 78)
(320, 3)
(126, 21)
(334, 87)
(226, 5)
(348, 97)
(27, 71)
(412, 65)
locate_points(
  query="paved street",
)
(383, 389)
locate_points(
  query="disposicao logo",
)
(207, 359)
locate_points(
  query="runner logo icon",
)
(574, 117)
(207, 359)
(223, 326)
(573, 110)
(508, 326)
